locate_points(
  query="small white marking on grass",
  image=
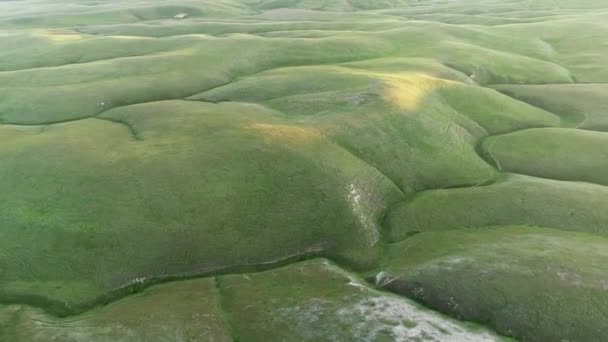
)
(138, 280)
(383, 279)
(355, 284)
(352, 281)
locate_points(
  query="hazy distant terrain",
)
(303, 170)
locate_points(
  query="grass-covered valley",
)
(303, 170)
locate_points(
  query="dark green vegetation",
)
(421, 144)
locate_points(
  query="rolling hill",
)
(303, 170)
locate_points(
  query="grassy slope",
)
(331, 108)
(274, 191)
(571, 42)
(317, 301)
(580, 105)
(35, 96)
(515, 199)
(195, 316)
(362, 105)
(308, 301)
(533, 283)
(557, 153)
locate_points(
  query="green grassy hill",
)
(254, 170)
(536, 283)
